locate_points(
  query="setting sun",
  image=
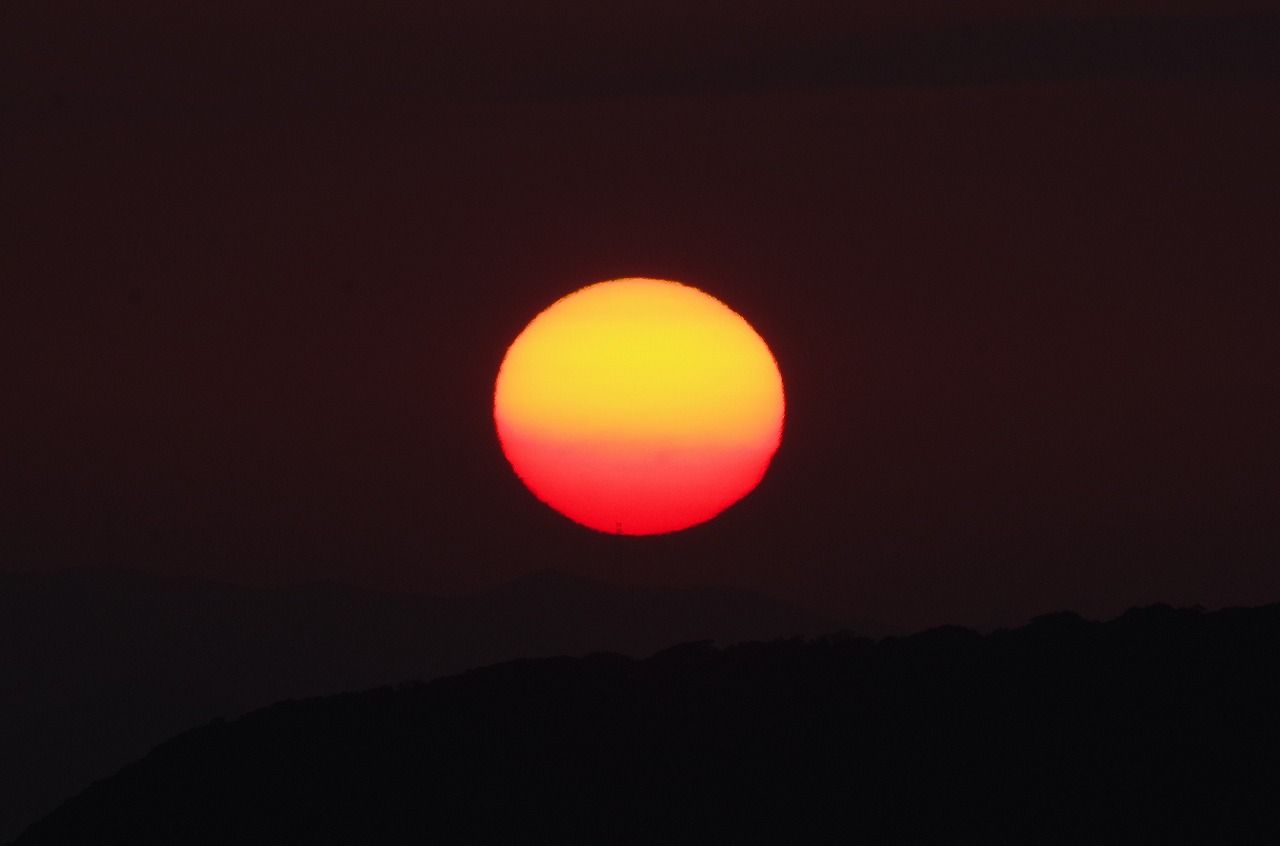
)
(639, 406)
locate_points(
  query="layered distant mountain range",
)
(1159, 726)
(100, 666)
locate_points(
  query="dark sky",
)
(262, 261)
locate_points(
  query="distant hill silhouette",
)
(1155, 727)
(98, 667)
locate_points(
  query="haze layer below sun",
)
(639, 405)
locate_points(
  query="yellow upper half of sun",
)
(641, 360)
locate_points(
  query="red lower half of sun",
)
(635, 488)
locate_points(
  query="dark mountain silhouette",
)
(98, 667)
(1158, 726)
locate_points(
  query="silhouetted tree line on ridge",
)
(1160, 725)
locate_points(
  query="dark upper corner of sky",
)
(58, 55)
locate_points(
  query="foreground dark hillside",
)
(98, 667)
(1160, 725)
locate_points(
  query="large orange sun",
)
(639, 406)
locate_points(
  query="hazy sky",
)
(263, 263)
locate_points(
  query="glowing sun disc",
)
(639, 406)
